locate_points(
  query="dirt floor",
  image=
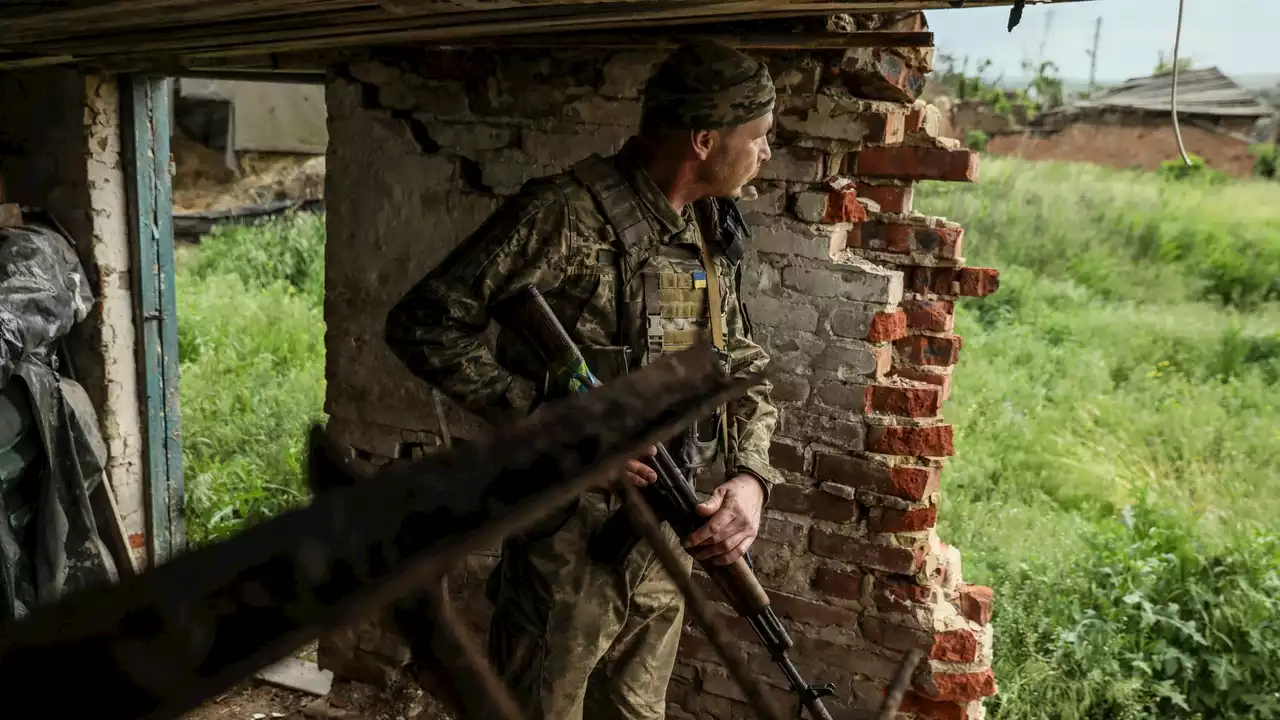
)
(347, 701)
(253, 702)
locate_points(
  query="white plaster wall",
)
(120, 414)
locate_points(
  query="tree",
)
(1164, 66)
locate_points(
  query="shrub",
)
(976, 140)
(1266, 159)
(1197, 171)
(1151, 623)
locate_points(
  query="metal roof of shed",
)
(1200, 92)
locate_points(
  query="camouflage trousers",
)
(573, 638)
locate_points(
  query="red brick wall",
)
(850, 290)
(1140, 144)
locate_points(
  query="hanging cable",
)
(1177, 129)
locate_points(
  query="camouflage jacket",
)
(552, 234)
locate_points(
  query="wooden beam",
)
(145, 130)
(339, 24)
(784, 41)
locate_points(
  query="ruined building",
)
(436, 112)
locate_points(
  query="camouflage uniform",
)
(627, 276)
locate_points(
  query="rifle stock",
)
(672, 497)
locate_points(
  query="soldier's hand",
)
(638, 474)
(734, 509)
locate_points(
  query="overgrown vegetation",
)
(1266, 160)
(251, 340)
(1044, 91)
(1117, 410)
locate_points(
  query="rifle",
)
(671, 497)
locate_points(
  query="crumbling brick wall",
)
(852, 293)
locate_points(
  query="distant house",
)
(1130, 125)
(237, 116)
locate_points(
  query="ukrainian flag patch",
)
(699, 279)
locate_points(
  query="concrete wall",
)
(851, 292)
(267, 116)
(62, 152)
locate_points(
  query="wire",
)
(1177, 129)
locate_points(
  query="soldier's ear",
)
(702, 142)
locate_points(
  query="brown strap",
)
(713, 296)
(717, 320)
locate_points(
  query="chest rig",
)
(670, 291)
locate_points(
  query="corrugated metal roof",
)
(1200, 92)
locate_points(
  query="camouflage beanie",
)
(707, 86)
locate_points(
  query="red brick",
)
(955, 646)
(882, 74)
(783, 531)
(891, 237)
(964, 687)
(843, 207)
(829, 660)
(933, 315)
(978, 282)
(786, 456)
(680, 691)
(930, 280)
(895, 595)
(932, 710)
(930, 349)
(915, 120)
(903, 481)
(893, 520)
(889, 558)
(932, 441)
(913, 483)
(804, 501)
(943, 242)
(886, 327)
(910, 162)
(884, 360)
(895, 129)
(838, 584)
(904, 401)
(975, 602)
(941, 379)
(697, 647)
(892, 636)
(890, 198)
(789, 498)
(737, 626)
(850, 471)
(810, 612)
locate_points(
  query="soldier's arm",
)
(437, 329)
(752, 418)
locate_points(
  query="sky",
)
(1238, 36)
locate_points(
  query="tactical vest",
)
(670, 297)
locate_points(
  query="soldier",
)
(638, 255)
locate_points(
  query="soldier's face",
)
(736, 156)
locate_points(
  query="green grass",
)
(1117, 411)
(251, 342)
(1117, 416)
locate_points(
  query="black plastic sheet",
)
(49, 542)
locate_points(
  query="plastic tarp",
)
(52, 455)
